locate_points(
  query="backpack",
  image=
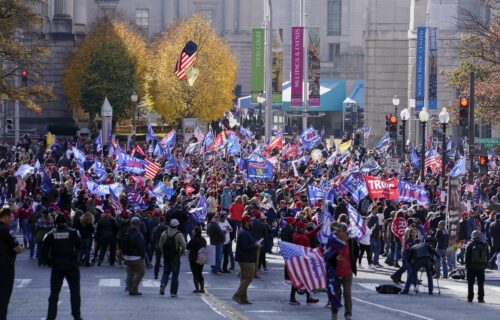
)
(170, 250)
(388, 289)
(202, 256)
(457, 274)
(479, 253)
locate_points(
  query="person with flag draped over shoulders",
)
(303, 238)
(341, 254)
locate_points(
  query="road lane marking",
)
(392, 309)
(111, 282)
(151, 283)
(21, 283)
(214, 309)
(223, 307)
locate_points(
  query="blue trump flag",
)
(357, 226)
(383, 141)
(100, 170)
(314, 194)
(459, 168)
(259, 170)
(415, 162)
(332, 247)
(168, 140)
(310, 139)
(150, 134)
(200, 211)
(164, 190)
(233, 145)
(46, 185)
(409, 192)
(130, 164)
(325, 219)
(355, 185)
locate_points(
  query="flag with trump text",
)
(357, 226)
(305, 266)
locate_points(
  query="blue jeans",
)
(404, 267)
(27, 235)
(452, 259)
(172, 266)
(219, 249)
(415, 267)
(86, 248)
(375, 243)
(441, 260)
(397, 250)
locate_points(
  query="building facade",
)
(367, 42)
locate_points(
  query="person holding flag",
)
(341, 255)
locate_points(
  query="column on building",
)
(63, 9)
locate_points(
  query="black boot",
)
(202, 286)
(196, 286)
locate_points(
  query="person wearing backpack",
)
(172, 246)
(476, 261)
(197, 258)
(134, 251)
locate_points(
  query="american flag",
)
(186, 60)
(306, 267)
(115, 202)
(432, 161)
(152, 169)
(199, 134)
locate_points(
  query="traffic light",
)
(357, 139)
(24, 78)
(463, 111)
(388, 122)
(9, 124)
(401, 129)
(483, 164)
(393, 128)
(360, 115)
(348, 114)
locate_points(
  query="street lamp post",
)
(444, 118)
(395, 103)
(405, 116)
(134, 98)
(423, 116)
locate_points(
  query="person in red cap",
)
(302, 238)
(246, 255)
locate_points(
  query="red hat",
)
(290, 220)
(125, 214)
(301, 224)
(107, 211)
(66, 213)
(298, 204)
(246, 219)
(465, 214)
(157, 213)
(256, 213)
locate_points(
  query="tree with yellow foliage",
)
(110, 61)
(212, 93)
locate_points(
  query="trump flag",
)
(382, 188)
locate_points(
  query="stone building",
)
(368, 45)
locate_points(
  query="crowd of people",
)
(123, 218)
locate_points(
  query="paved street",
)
(103, 297)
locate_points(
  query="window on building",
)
(333, 51)
(207, 14)
(142, 19)
(334, 17)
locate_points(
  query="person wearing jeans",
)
(172, 263)
(246, 255)
(217, 237)
(134, 251)
(442, 237)
(375, 241)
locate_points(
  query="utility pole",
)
(268, 68)
(472, 129)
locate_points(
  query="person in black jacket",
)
(476, 261)
(463, 237)
(155, 240)
(107, 228)
(134, 250)
(194, 245)
(420, 255)
(246, 255)
(61, 250)
(217, 236)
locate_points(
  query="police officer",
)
(420, 255)
(9, 248)
(61, 249)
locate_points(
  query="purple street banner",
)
(314, 67)
(420, 69)
(297, 68)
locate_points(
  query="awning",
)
(332, 95)
(358, 93)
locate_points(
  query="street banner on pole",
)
(432, 61)
(277, 68)
(314, 67)
(420, 69)
(257, 63)
(297, 68)
(455, 207)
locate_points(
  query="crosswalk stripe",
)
(151, 283)
(112, 282)
(21, 283)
